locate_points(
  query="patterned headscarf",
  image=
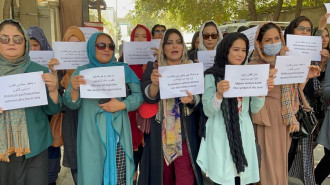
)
(36, 33)
(290, 100)
(14, 136)
(72, 31)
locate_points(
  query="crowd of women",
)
(183, 140)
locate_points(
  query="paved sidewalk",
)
(65, 177)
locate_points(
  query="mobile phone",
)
(104, 100)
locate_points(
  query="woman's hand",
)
(188, 99)
(51, 81)
(76, 81)
(1, 110)
(272, 73)
(196, 61)
(155, 77)
(113, 105)
(270, 84)
(51, 63)
(222, 87)
(314, 71)
(323, 21)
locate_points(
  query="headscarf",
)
(201, 46)
(229, 106)
(36, 33)
(168, 110)
(14, 136)
(113, 131)
(289, 99)
(140, 26)
(71, 31)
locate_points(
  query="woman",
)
(38, 41)
(211, 35)
(194, 44)
(162, 155)
(235, 162)
(96, 160)
(70, 117)
(26, 162)
(301, 160)
(276, 120)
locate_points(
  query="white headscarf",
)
(201, 46)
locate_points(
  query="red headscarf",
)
(141, 26)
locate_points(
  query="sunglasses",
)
(102, 46)
(213, 36)
(302, 28)
(16, 39)
(159, 31)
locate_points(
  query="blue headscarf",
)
(36, 33)
(110, 144)
(130, 76)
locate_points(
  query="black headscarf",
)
(229, 106)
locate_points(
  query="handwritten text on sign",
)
(103, 82)
(70, 54)
(140, 52)
(247, 80)
(207, 58)
(41, 57)
(22, 90)
(178, 79)
(305, 45)
(291, 69)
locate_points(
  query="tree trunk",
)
(278, 10)
(252, 10)
(298, 8)
(6, 9)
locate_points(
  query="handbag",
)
(56, 128)
(306, 117)
(143, 124)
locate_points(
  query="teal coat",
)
(40, 135)
(90, 149)
(214, 155)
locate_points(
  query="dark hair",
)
(167, 35)
(13, 23)
(194, 40)
(154, 28)
(242, 28)
(294, 24)
(265, 28)
(105, 34)
(314, 32)
(210, 24)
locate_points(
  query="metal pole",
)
(99, 11)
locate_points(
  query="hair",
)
(104, 34)
(32, 38)
(193, 41)
(265, 28)
(167, 35)
(12, 23)
(294, 24)
(148, 34)
(154, 28)
(211, 24)
(314, 31)
(242, 28)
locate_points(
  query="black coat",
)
(151, 169)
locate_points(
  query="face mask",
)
(272, 49)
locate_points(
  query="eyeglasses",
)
(213, 36)
(158, 31)
(302, 28)
(16, 39)
(102, 46)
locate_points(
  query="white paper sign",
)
(22, 90)
(247, 80)
(306, 45)
(206, 58)
(88, 31)
(251, 34)
(327, 6)
(70, 54)
(139, 52)
(103, 82)
(291, 69)
(178, 79)
(41, 57)
(155, 43)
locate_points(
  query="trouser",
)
(181, 167)
(323, 168)
(137, 156)
(54, 163)
(21, 171)
(237, 181)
